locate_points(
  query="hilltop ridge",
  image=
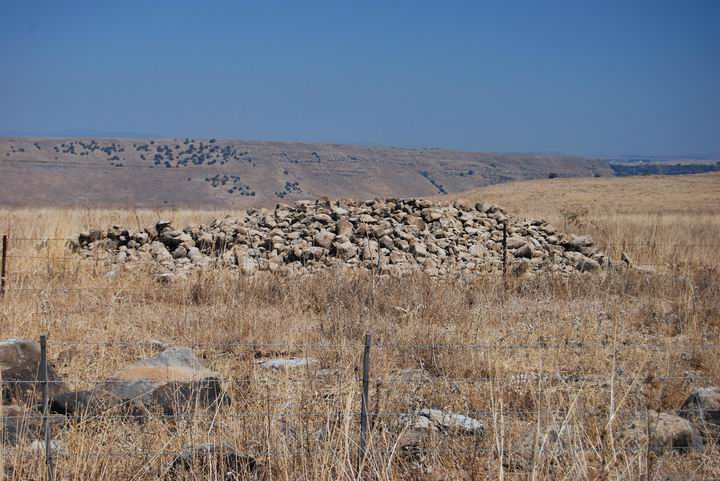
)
(240, 174)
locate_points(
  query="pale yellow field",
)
(590, 351)
(663, 220)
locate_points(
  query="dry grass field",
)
(658, 219)
(585, 353)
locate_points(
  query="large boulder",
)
(668, 432)
(171, 382)
(702, 409)
(20, 372)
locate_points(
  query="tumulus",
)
(392, 236)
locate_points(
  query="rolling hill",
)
(238, 174)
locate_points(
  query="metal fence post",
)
(46, 405)
(504, 248)
(364, 403)
(3, 269)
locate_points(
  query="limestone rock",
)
(346, 250)
(437, 420)
(524, 251)
(324, 239)
(286, 363)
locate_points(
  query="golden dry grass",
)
(542, 351)
(657, 219)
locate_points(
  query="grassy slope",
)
(43, 177)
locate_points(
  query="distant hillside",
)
(210, 173)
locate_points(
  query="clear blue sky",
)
(574, 76)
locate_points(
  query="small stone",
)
(346, 250)
(431, 215)
(162, 225)
(515, 242)
(343, 227)
(324, 239)
(419, 249)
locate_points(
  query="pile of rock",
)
(394, 236)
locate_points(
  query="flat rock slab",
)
(286, 362)
(452, 422)
(174, 364)
(20, 366)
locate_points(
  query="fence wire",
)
(336, 410)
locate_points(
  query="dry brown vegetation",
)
(589, 351)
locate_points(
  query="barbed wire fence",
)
(367, 415)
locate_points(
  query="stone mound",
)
(392, 236)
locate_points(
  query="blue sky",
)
(589, 77)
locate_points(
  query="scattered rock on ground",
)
(20, 423)
(20, 372)
(222, 459)
(412, 376)
(449, 422)
(668, 432)
(286, 363)
(702, 409)
(535, 446)
(421, 425)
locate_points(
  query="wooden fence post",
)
(364, 403)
